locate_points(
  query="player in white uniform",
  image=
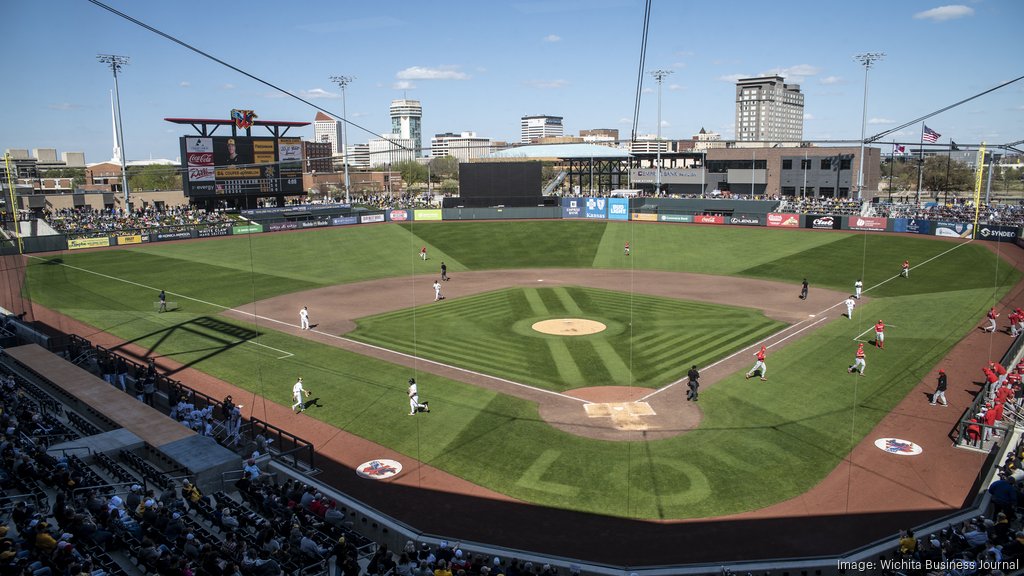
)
(850, 303)
(299, 394)
(304, 318)
(437, 291)
(414, 399)
(857, 286)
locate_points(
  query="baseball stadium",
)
(555, 368)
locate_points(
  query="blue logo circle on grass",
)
(898, 447)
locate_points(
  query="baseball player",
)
(163, 302)
(859, 364)
(857, 287)
(880, 335)
(299, 394)
(850, 303)
(423, 253)
(304, 318)
(414, 399)
(437, 291)
(759, 367)
(1020, 319)
(626, 249)
(1012, 317)
(940, 390)
(905, 272)
(992, 315)
(444, 272)
(803, 290)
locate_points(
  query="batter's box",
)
(624, 415)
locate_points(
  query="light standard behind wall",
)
(866, 59)
(342, 82)
(115, 63)
(659, 75)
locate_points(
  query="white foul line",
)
(285, 352)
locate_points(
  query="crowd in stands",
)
(834, 206)
(401, 201)
(996, 214)
(88, 221)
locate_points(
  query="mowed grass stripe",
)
(618, 370)
(559, 353)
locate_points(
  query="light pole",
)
(659, 75)
(342, 82)
(866, 59)
(115, 63)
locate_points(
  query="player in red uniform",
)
(859, 364)
(905, 271)
(759, 367)
(1012, 319)
(880, 334)
(992, 315)
(625, 250)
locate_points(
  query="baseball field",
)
(752, 444)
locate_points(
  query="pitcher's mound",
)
(569, 327)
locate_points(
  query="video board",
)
(241, 166)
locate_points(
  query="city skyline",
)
(568, 58)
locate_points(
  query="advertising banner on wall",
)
(675, 217)
(777, 220)
(822, 222)
(745, 220)
(954, 229)
(866, 223)
(709, 219)
(399, 215)
(996, 233)
(247, 229)
(572, 208)
(643, 217)
(344, 221)
(79, 243)
(367, 218)
(596, 208)
(912, 225)
(161, 236)
(618, 209)
(214, 231)
(132, 239)
(427, 214)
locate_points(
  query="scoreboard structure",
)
(240, 166)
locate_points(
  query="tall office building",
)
(769, 110)
(463, 146)
(327, 129)
(389, 150)
(537, 127)
(406, 120)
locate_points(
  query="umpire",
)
(693, 384)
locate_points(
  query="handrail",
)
(97, 486)
(64, 450)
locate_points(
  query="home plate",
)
(541, 280)
(624, 415)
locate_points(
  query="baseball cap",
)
(942, 371)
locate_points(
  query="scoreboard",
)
(241, 166)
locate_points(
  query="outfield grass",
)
(648, 342)
(759, 442)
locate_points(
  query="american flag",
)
(930, 135)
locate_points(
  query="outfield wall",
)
(670, 210)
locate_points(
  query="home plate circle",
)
(569, 327)
(898, 447)
(380, 469)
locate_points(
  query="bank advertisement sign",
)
(866, 223)
(618, 208)
(368, 218)
(912, 225)
(954, 229)
(572, 208)
(822, 222)
(675, 217)
(596, 208)
(427, 214)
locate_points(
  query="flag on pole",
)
(953, 146)
(898, 149)
(930, 135)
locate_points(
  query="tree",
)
(449, 186)
(412, 171)
(444, 167)
(154, 177)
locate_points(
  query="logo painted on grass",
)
(380, 469)
(898, 447)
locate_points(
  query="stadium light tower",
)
(866, 59)
(115, 63)
(659, 75)
(342, 82)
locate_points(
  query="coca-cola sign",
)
(709, 219)
(200, 158)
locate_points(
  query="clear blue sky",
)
(480, 66)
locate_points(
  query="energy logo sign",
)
(898, 447)
(380, 469)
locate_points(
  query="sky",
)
(480, 66)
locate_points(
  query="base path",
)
(333, 311)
